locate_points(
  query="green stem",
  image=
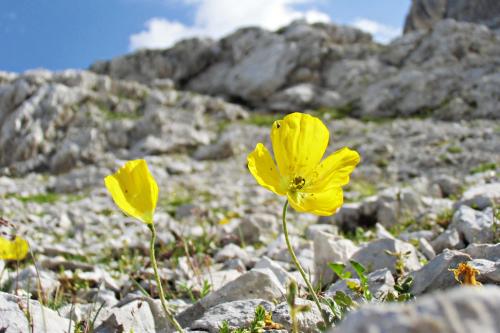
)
(299, 267)
(164, 304)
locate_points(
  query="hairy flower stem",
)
(299, 267)
(164, 304)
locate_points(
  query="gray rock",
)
(426, 248)
(29, 280)
(231, 251)
(303, 96)
(135, 316)
(425, 13)
(436, 274)
(217, 151)
(255, 284)
(13, 318)
(238, 314)
(489, 271)
(449, 239)
(283, 276)
(481, 196)
(460, 309)
(373, 256)
(449, 186)
(307, 321)
(315, 229)
(329, 248)
(483, 251)
(475, 226)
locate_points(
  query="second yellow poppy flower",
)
(134, 190)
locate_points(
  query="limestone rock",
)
(450, 311)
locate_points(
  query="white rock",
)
(328, 249)
(13, 319)
(461, 309)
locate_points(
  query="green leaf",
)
(339, 269)
(360, 270)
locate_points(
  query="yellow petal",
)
(15, 249)
(134, 190)
(320, 203)
(299, 142)
(333, 171)
(262, 167)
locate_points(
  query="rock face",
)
(14, 317)
(449, 72)
(425, 13)
(458, 310)
(59, 121)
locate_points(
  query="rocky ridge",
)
(448, 72)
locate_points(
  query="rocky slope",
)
(423, 201)
(425, 13)
(449, 72)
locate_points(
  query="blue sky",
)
(60, 34)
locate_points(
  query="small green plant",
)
(42, 198)
(261, 119)
(261, 322)
(484, 167)
(293, 289)
(401, 258)
(340, 304)
(205, 289)
(361, 287)
(454, 149)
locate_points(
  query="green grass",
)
(43, 198)
(484, 167)
(454, 149)
(262, 119)
(112, 116)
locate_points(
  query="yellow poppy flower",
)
(15, 249)
(134, 190)
(312, 185)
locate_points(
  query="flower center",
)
(297, 183)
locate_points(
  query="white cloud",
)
(216, 18)
(381, 33)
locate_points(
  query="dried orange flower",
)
(466, 274)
